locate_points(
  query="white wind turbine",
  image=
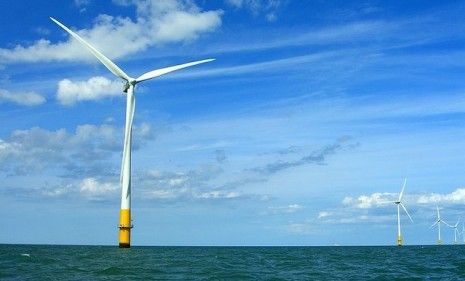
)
(400, 204)
(463, 232)
(438, 223)
(456, 231)
(125, 178)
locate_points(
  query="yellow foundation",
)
(439, 242)
(125, 228)
(399, 240)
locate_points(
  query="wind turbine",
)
(463, 232)
(129, 87)
(438, 223)
(456, 232)
(400, 204)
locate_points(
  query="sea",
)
(46, 262)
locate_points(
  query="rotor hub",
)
(128, 84)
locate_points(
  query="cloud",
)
(189, 194)
(290, 150)
(382, 199)
(253, 5)
(366, 219)
(315, 157)
(84, 151)
(275, 65)
(192, 177)
(218, 194)
(212, 182)
(378, 207)
(91, 187)
(93, 152)
(157, 22)
(81, 3)
(324, 214)
(256, 7)
(455, 197)
(204, 146)
(344, 36)
(374, 200)
(21, 98)
(42, 31)
(303, 228)
(193, 184)
(289, 209)
(207, 182)
(95, 88)
(338, 217)
(350, 214)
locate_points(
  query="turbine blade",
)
(437, 208)
(402, 191)
(103, 59)
(446, 223)
(434, 224)
(162, 71)
(403, 207)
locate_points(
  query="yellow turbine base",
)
(439, 242)
(125, 228)
(399, 240)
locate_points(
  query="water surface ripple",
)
(36, 262)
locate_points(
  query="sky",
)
(305, 125)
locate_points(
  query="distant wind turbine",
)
(456, 231)
(125, 178)
(438, 223)
(400, 204)
(463, 232)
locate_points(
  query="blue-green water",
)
(35, 262)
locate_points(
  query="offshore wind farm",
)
(323, 143)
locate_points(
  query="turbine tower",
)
(125, 177)
(400, 204)
(438, 223)
(463, 232)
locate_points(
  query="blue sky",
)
(312, 115)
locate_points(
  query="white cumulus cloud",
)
(379, 199)
(69, 92)
(92, 187)
(455, 197)
(156, 22)
(89, 188)
(21, 98)
(376, 199)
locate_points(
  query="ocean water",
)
(36, 262)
